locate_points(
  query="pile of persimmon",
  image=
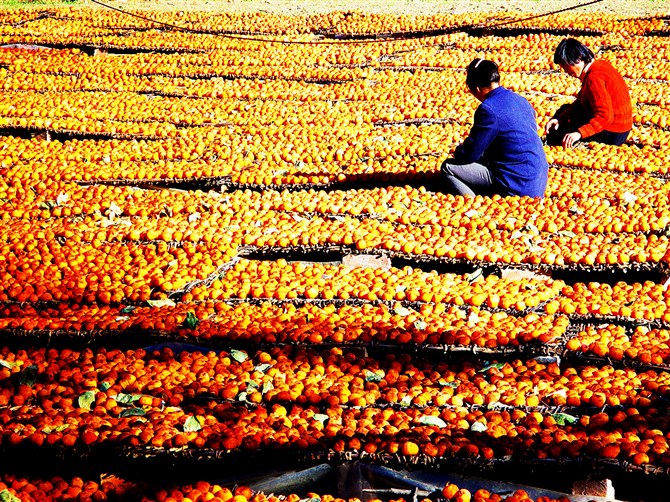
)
(95, 272)
(642, 345)
(284, 280)
(640, 301)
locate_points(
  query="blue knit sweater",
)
(504, 137)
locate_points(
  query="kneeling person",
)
(503, 153)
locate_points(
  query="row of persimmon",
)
(640, 204)
(275, 155)
(102, 417)
(330, 377)
(204, 33)
(421, 326)
(44, 268)
(271, 230)
(37, 488)
(419, 86)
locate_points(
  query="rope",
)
(384, 37)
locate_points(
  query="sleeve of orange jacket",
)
(600, 102)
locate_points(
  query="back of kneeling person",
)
(503, 152)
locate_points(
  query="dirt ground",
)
(413, 7)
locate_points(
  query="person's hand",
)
(570, 139)
(552, 124)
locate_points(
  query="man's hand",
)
(552, 124)
(570, 139)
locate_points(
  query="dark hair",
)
(481, 73)
(571, 51)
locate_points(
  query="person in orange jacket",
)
(602, 111)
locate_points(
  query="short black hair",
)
(570, 52)
(481, 73)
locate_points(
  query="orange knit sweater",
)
(603, 99)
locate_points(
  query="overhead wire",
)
(353, 39)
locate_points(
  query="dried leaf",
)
(165, 302)
(473, 212)
(432, 420)
(193, 424)
(420, 324)
(320, 417)
(403, 311)
(478, 427)
(239, 355)
(474, 276)
(114, 211)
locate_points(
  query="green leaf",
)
(132, 412)
(262, 368)
(567, 233)
(126, 398)
(28, 376)
(85, 400)
(193, 424)
(252, 385)
(406, 401)
(128, 310)
(7, 496)
(444, 383)
(374, 376)
(58, 428)
(239, 355)
(165, 302)
(191, 321)
(497, 366)
(48, 205)
(564, 418)
(7, 364)
(242, 397)
(320, 417)
(267, 387)
(104, 386)
(432, 420)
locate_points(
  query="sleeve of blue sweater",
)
(482, 134)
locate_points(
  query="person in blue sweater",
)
(503, 153)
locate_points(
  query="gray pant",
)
(467, 179)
